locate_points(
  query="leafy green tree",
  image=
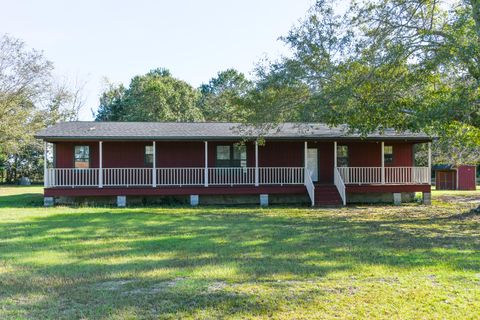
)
(30, 99)
(111, 106)
(219, 97)
(155, 96)
(403, 64)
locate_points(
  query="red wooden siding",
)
(170, 191)
(369, 154)
(272, 154)
(388, 188)
(466, 177)
(445, 179)
(64, 153)
(180, 154)
(280, 154)
(127, 154)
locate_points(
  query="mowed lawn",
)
(408, 262)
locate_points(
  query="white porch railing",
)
(340, 184)
(281, 175)
(130, 177)
(59, 177)
(310, 186)
(391, 175)
(126, 177)
(180, 176)
(231, 176)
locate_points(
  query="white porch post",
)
(154, 165)
(334, 155)
(257, 182)
(383, 162)
(206, 165)
(305, 155)
(430, 163)
(100, 164)
(45, 175)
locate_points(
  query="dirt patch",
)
(156, 288)
(216, 286)
(460, 198)
(113, 285)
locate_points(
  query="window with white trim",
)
(149, 156)
(231, 156)
(388, 154)
(81, 157)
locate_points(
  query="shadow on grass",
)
(21, 200)
(69, 255)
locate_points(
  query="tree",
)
(30, 99)
(403, 64)
(111, 107)
(155, 96)
(219, 97)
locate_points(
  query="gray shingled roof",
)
(90, 130)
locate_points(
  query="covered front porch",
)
(221, 166)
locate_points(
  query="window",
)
(239, 156)
(231, 156)
(82, 157)
(149, 155)
(388, 154)
(342, 156)
(223, 156)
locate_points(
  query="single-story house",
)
(208, 162)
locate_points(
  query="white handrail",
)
(393, 175)
(310, 186)
(340, 184)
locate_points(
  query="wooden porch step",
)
(327, 196)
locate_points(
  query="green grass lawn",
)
(408, 262)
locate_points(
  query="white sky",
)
(89, 40)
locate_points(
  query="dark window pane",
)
(223, 153)
(149, 155)
(82, 157)
(388, 154)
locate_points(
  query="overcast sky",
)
(90, 40)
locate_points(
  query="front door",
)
(312, 162)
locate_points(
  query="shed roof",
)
(92, 130)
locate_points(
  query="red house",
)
(209, 162)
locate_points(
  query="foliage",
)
(111, 107)
(405, 262)
(155, 96)
(458, 145)
(219, 98)
(30, 99)
(402, 64)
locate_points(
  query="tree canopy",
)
(219, 98)
(155, 96)
(403, 64)
(30, 99)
